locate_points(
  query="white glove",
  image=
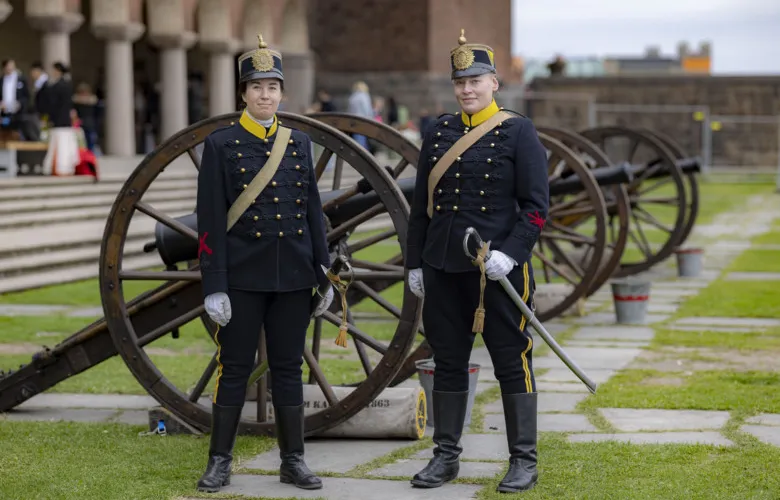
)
(325, 302)
(218, 308)
(498, 265)
(416, 282)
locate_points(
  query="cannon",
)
(586, 195)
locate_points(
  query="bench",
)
(22, 158)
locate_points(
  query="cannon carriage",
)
(599, 203)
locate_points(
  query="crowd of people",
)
(48, 110)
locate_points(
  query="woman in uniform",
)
(262, 246)
(484, 168)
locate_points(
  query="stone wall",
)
(733, 143)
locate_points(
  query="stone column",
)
(120, 92)
(56, 28)
(298, 81)
(222, 76)
(5, 10)
(173, 73)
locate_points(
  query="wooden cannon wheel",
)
(616, 198)
(132, 338)
(663, 213)
(691, 184)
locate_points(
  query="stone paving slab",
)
(544, 386)
(765, 419)
(661, 308)
(566, 375)
(712, 320)
(337, 488)
(613, 333)
(548, 402)
(30, 309)
(333, 455)
(765, 434)
(549, 422)
(636, 420)
(477, 447)
(597, 358)
(408, 468)
(91, 415)
(66, 400)
(605, 344)
(755, 276)
(608, 318)
(710, 437)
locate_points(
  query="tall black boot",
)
(224, 426)
(520, 418)
(449, 412)
(289, 428)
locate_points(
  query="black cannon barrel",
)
(688, 166)
(174, 247)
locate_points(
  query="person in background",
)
(57, 102)
(360, 105)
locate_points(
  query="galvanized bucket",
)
(689, 262)
(425, 370)
(630, 298)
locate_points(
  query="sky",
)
(745, 34)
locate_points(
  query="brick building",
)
(399, 48)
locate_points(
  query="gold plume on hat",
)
(262, 59)
(463, 56)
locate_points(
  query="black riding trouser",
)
(285, 317)
(448, 314)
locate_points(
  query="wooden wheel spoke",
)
(646, 216)
(375, 266)
(563, 256)
(574, 201)
(197, 391)
(655, 185)
(581, 211)
(160, 275)
(551, 236)
(165, 328)
(322, 163)
(319, 376)
(645, 244)
(555, 267)
(377, 275)
(195, 156)
(356, 333)
(338, 171)
(645, 174)
(400, 167)
(351, 224)
(165, 219)
(666, 200)
(367, 242)
(361, 350)
(567, 230)
(376, 297)
(633, 148)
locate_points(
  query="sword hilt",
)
(472, 233)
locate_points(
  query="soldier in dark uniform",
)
(498, 186)
(263, 270)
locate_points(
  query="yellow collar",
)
(481, 116)
(255, 128)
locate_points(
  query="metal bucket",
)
(630, 298)
(425, 370)
(689, 262)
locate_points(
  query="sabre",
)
(341, 263)
(529, 315)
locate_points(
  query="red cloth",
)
(88, 164)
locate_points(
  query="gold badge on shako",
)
(262, 60)
(462, 57)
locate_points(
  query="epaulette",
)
(512, 111)
(445, 114)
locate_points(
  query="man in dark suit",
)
(14, 99)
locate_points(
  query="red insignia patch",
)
(536, 220)
(202, 247)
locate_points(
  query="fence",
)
(745, 142)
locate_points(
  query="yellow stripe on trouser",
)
(219, 365)
(526, 370)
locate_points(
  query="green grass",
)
(757, 260)
(747, 392)
(79, 293)
(615, 471)
(716, 198)
(742, 342)
(769, 238)
(738, 299)
(54, 461)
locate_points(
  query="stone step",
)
(57, 259)
(70, 235)
(70, 274)
(183, 200)
(106, 199)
